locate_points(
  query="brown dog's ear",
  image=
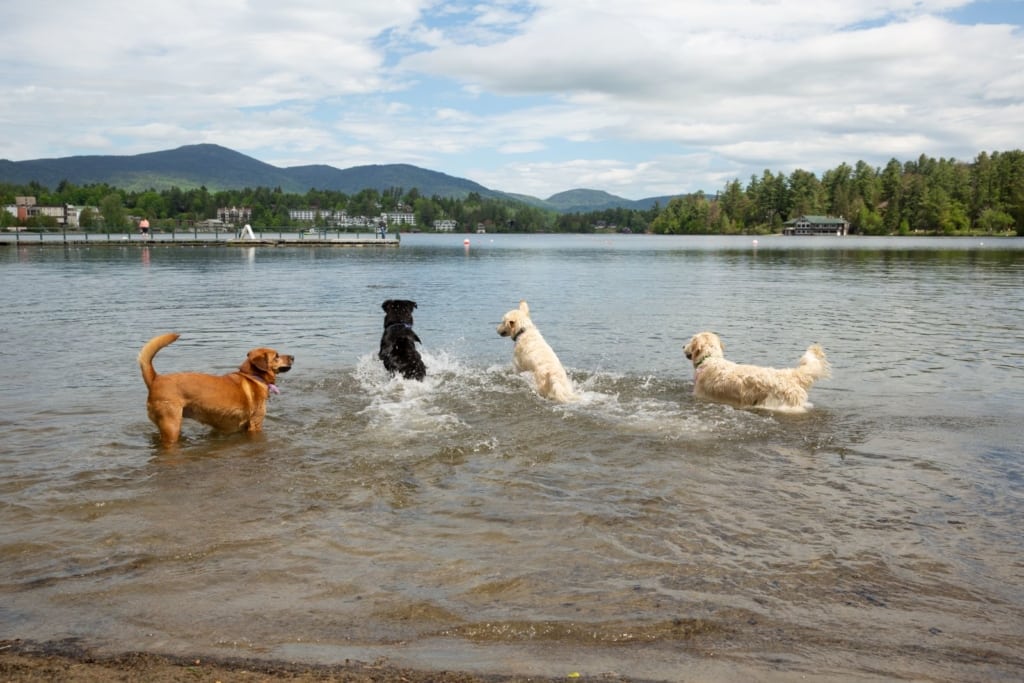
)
(260, 360)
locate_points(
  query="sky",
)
(640, 99)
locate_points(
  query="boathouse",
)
(816, 225)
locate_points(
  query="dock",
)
(198, 239)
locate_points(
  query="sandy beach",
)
(27, 662)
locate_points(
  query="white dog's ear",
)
(524, 307)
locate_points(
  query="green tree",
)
(151, 205)
(365, 203)
(688, 215)
(112, 208)
(892, 196)
(426, 212)
(87, 218)
(201, 205)
(42, 221)
(735, 205)
(869, 222)
(805, 194)
(839, 190)
(769, 199)
(993, 220)
(912, 209)
(1010, 181)
(867, 184)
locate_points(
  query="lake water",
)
(465, 523)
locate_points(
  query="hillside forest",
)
(927, 195)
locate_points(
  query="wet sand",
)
(28, 662)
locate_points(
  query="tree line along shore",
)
(924, 196)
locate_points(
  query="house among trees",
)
(816, 225)
(235, 215)
(399, 218)
(25, 209)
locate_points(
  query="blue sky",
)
(639, 99)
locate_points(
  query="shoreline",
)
(80, 241)
(68, 661)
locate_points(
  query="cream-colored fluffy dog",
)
(532, 354)
(752, 386)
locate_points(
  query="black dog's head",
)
(398, 311)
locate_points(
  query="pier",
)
(200, 239)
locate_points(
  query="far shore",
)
(325, 237)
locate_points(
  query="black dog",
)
(398, 343)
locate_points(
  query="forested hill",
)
(584, 201)
(217, 168)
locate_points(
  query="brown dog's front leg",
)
(256, 423)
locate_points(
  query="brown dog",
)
(235, 402)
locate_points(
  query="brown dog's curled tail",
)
(150, 350)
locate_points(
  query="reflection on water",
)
(466, 523)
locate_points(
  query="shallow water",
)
(466, 523)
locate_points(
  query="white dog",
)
(532, 354)
(752, 386)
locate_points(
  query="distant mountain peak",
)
(218, 168)
(579, 193)
(583, 201)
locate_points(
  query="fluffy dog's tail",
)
(813, 365)
(150, 350)
(555, 390)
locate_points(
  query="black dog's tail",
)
(415, 370)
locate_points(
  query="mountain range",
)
(219, 168)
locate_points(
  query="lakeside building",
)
(341, 219)
(235, 215)
(330, 218)
(212, 224)
(445, 225)
(309, 215)
(816, 225)
(399, 218)
(24, 208)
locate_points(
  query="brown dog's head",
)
(265, 363)
(702, 346)
(516, 321)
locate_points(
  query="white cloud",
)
(639, 99)
(523, 147)
(783, 84)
